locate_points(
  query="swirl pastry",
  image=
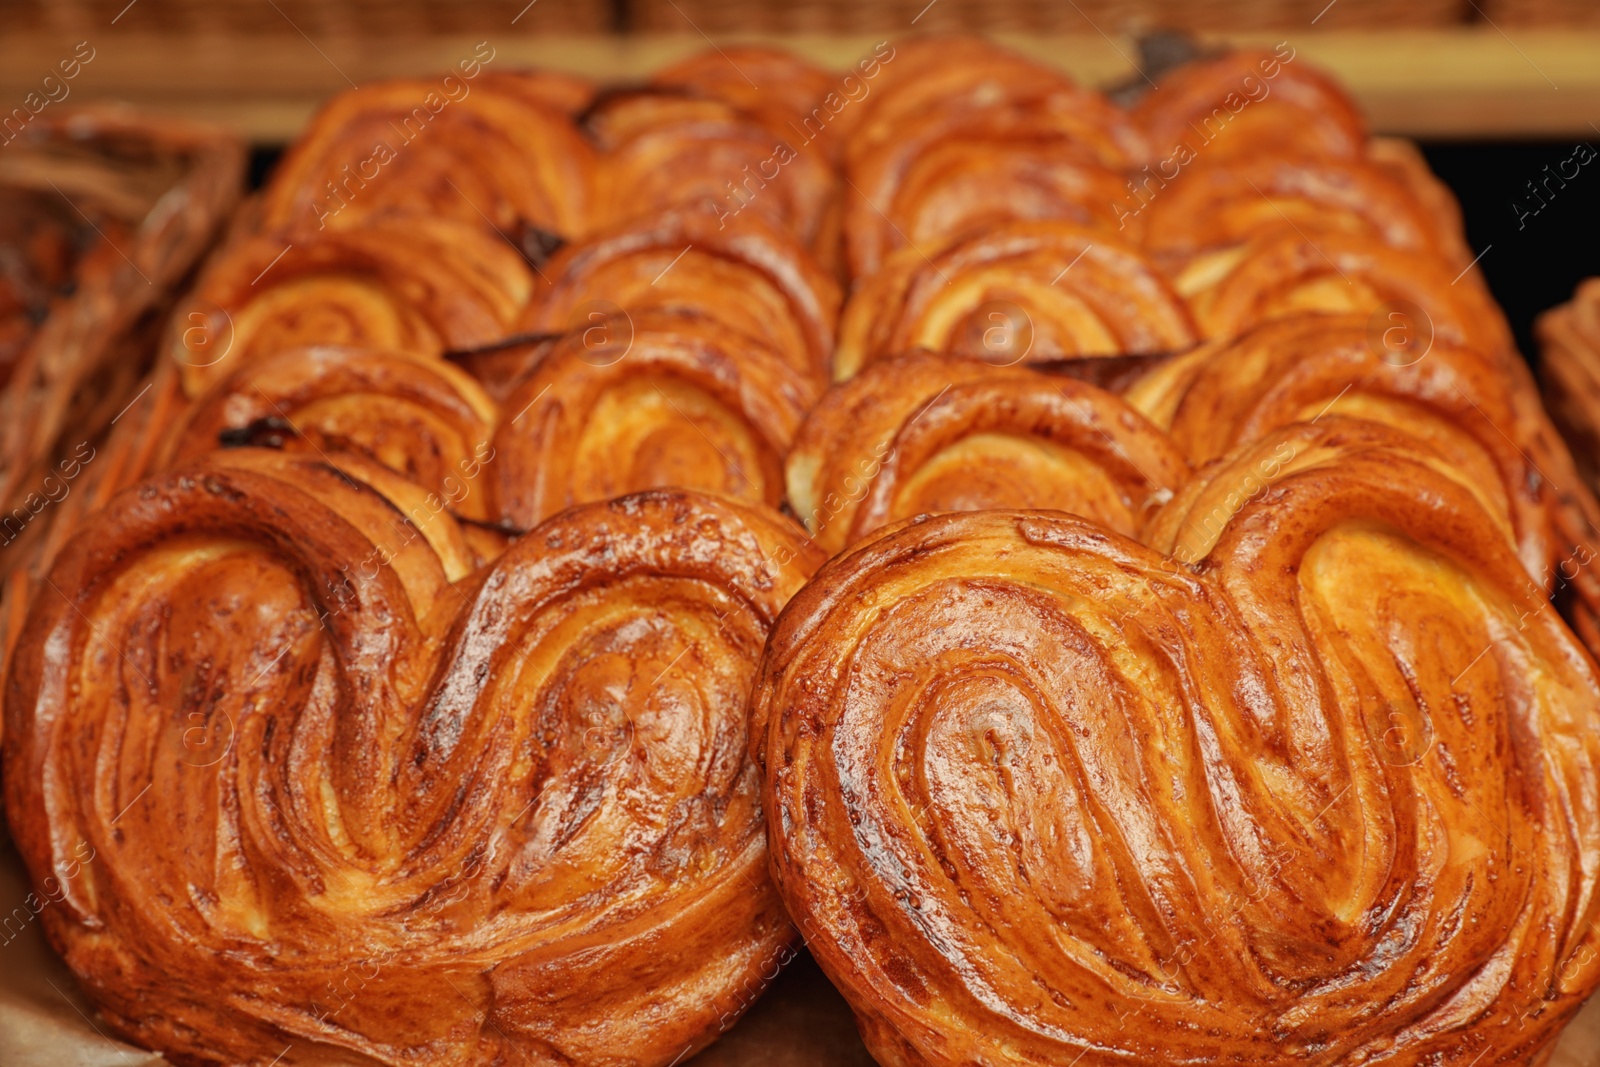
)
(1041, 794)
(414, 285)
(1022, 291)
(755, 280)
(959, 169)
(1216, 207)
(1246, 102)
(1285, 273)
(645, 401)
(415, 821)
(488, 154)
(777, 88)
(925, 433)
(414, 415)
(666, 150)
(1569, 340)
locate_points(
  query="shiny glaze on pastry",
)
(1309, 779)
(1024, 291)
(415, 285)
(382, 815)
(927, 433)
(643, 401)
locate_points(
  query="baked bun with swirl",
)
(1023, 291)
(489, 154)
(648, 400)
(1313, 781)
(405, 284)
(418, 416)
(775, 87)
(1244, 102)
(380, 815)
(666, 149)
(756, 280)
(929, 433)
(1283, 273)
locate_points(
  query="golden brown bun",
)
(642, 401)
(378, 817)
(1283, 273)
(414, 285)
(925, 433)
(1300, 783)
(666, 149)
(777, 88)
(1246, 102)
(418, 416)
(488, 153)
(754, 279)
(1024, 291)
(958, 170)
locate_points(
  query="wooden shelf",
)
(1467, 83)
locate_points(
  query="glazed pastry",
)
(1284, 273)
(1316, 781)
(928, 433)
(488, 154)
(644, 401)
(1025, 291)
(959, 170)
(1246, 102)
(418, 416)
(1216, 207)
(382, 816)
(1569, 340)
(777, 88)
(414, 285)
(666, 150)
(757, 281)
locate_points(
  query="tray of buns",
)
(924, 563)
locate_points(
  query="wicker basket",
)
(319, 18)
(1086, 16)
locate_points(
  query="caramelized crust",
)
(1303, 783)
(495, 154)
(929, 433)
(419, 417)
(1246, 102)
(667, 150)
(777, 88)
(1285, 273)
(1024, 291)
(414, 285)
(964, 168)
(757, 281)
(416, 821)
(643, 401)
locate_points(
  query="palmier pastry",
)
(643, 401)
(1041, 794)
(956, 170)
(1302, 368)
(1569, 340)
(1246, 102)
(666, 150)
(415, 415)
(1216, 207)
(482, 153)
(378, 817)
(754, 279)
(414, 285)
(924, 433)
(774, 86)
(930, 74)
(1285, 273)
(1023, 291)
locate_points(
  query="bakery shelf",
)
(1445, 83)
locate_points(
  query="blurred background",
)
(1496, 91)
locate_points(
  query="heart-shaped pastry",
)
(1312, 779)
(375, 815)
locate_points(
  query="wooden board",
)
(1476, 82)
